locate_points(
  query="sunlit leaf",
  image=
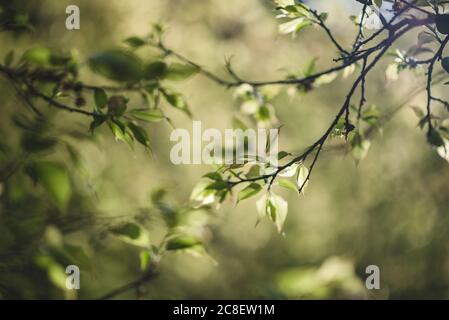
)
(182, 242)
(249, 191)
(288, 184)
(37, 55)
(176, 100)
(302, 179)
(289, 171)
(148, 115)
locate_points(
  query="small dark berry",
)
(80, 102)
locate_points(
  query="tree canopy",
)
(61, 104)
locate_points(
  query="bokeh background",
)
(390, 210)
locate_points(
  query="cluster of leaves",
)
(42, 77)
(254, 176)
(52, 76)
(428, 43)
(298, 16)
(256, 103)
(13, 20)
(147, 78)
(186, 231)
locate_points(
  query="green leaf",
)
(176, 100)
(37, 55)
(253, 172)
(117, 65)
(9, 58)
(155, 70)
(238, 124)
(310, 68)
(135, 42)
(294, 26)
(31, 142)
(434, 138)
(283, 154)
(117, 131)
(273, 207)
(130, 230)
(360, 146)
(148, 115)
(287, 184)
(218, 185)
(101, 98)
(303, 173)
(445, 64)
(139, 134)
(249, 191)
(442, 22)
(263, 113)
(213, 176)
(182, 242)
(54, 178)
(132, 233)
(371, 114)
(145, 259)
(290, 171)
(98, 121)
(178, 71)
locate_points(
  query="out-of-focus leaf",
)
(178, 71)
(182, 242)
(445, 64)
(442, 22)
(132, 233)
(35, 143)
(155, 70)
(434, 138)
(214, 176)
(37, 55)
(425, 37)
(117, 105)
(360, 146)
(238, 124)
(54, 178)
(9, 58)
(117, 65)
(145, 259)
(294, 26)
(443, 151)
(101, 98)
(135, 42)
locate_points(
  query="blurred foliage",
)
(81, 192)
